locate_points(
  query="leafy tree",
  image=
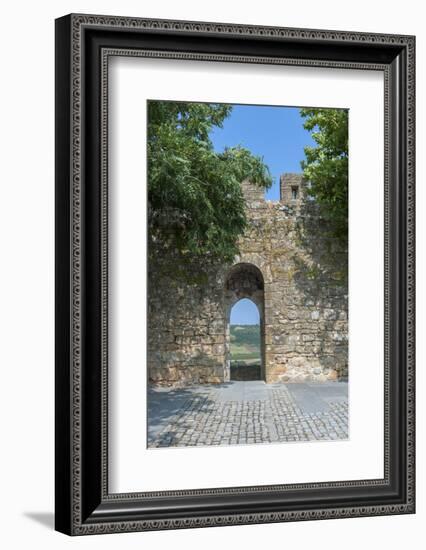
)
(196, 205)
(326, 165)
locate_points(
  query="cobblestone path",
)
(247, 412)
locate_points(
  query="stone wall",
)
(293, 270)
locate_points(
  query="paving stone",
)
(248, 413)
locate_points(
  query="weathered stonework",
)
(289, 267)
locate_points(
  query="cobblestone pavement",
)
(247, 412)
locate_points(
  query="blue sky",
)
(277, 135)
(274, 133)
(244, 312)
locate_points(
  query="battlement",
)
(252, 192)
(292, 192)
(292, 189)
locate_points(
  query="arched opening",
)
(245, 342)
(244, 337)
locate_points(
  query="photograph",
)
(247, 307)
(235, 273)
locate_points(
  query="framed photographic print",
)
(234, 274)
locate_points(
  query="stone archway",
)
(244, 280)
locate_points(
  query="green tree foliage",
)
(326, 165)
(196, 205)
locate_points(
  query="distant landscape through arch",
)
(245, 341)
(244, 337)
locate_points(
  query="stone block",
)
(332, 375)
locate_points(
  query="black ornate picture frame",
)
(84, 43)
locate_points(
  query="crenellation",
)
(292, 189)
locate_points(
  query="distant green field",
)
(245, 344)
